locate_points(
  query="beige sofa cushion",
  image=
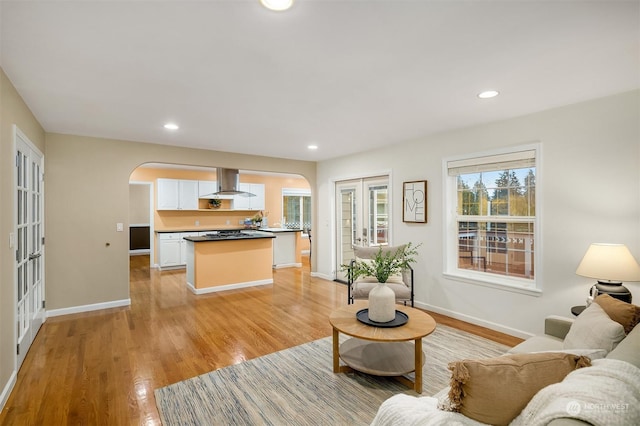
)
(623, 313)
(593, 329)
(538, 344)
(370, 252)
(495, 390)
(629, 349)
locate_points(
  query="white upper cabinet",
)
(250, 203)
(174, 194)
(206, 188)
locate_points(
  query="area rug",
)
(297, 386)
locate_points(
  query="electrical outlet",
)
(197, 223)
(119, 227)
(228, 222)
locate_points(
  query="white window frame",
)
(296, 192)
(450, 231)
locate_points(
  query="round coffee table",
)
(381, 351)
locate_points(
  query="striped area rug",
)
(297, 386)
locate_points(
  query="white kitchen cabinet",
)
(250, 203)
(173, 248)
(206, 188)
(183, 246)
(170, 249)
(177, 194)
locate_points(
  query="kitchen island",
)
(218, 262)
(286, 247)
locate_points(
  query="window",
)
(492, 222)
(296, 208)
(378, 215)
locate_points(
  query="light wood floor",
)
(101, 368)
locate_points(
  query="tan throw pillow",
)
(496, 390)
(593, 329)
(621, 312)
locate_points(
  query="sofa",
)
(581, 371)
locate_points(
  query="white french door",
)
(29, 226)
(362, 217)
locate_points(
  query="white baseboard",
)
(170, 268)
(287, 265)
(228, 286)
(88, 308)
(7, 389)
(139, 252)
(473, 320)
(323, 276)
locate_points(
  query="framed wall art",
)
(414, 201)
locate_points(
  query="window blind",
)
(512, 160)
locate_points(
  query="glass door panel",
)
(362, 217)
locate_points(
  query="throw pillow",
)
(593, 329)
(496, 390)
(624, 313)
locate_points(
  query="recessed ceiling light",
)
(171, 126)
(277, 5)
(312, 147)
(488, 94)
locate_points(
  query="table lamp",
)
(610, 264)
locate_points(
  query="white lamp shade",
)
(609, 262)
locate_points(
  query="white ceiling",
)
(348, 76)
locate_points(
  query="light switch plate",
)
(12, 240)
(119, 227)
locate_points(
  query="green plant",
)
(215, 202)
(384, 263)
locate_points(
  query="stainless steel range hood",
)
(229, 183)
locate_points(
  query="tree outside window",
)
(296, 209)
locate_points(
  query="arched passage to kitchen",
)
(169, 202)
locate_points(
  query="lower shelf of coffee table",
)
(379, 358)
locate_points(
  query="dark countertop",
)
(276, 230)
(163, 231)
(244, 235)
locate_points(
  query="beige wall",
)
(139, 204)
(87, 184)
(13, 110)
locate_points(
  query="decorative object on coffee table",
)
(382, 303)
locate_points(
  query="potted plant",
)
(215, 203)
(257, 219)
(382, 265)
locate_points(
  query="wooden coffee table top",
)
(420, 324)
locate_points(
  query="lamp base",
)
(616, 290)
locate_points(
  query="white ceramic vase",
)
(382, 303)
